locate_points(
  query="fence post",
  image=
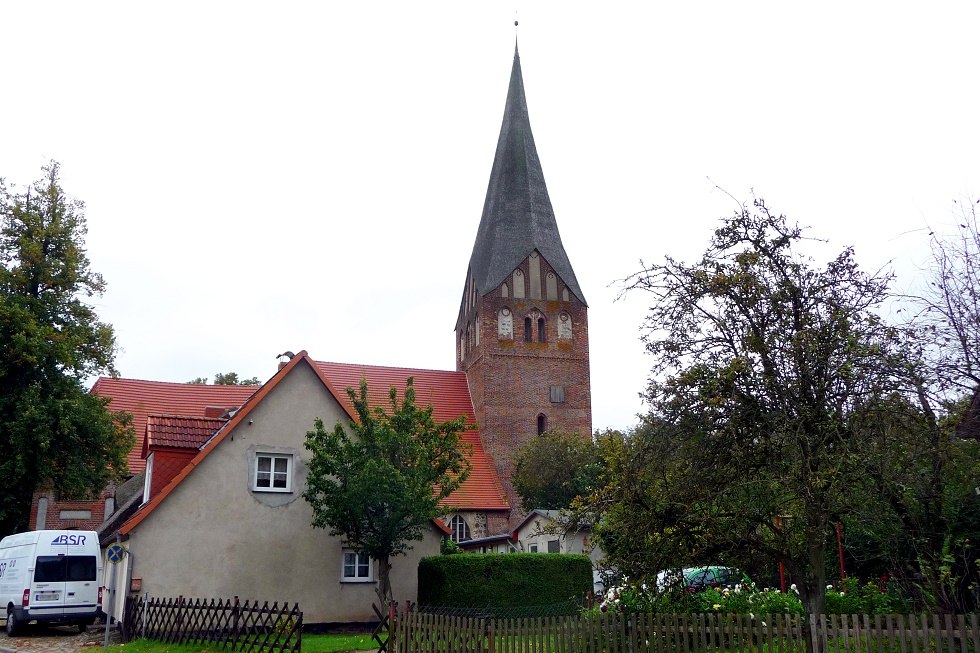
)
(392, 615)
(234, 624)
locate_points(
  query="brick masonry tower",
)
(522, 335)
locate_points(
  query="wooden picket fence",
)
(227, 624)
(412, 631)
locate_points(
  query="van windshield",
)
(63, 569)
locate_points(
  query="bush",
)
(512, 580)
(851, 598)
(854, 598)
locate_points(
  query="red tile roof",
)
(180, 432)
(144, 397)
(447, 391)
(449, 395)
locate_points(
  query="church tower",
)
(522, 335)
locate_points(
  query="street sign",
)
(115, 553)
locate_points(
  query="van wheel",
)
(13, 627)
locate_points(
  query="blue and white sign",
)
(115, 553)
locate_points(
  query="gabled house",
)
(231, 521)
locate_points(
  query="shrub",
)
(851, 598)
(511, 580)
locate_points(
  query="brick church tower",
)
(522, 335)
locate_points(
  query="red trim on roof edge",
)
(209, 446)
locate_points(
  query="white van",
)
(50, 576)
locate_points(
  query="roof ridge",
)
(389, 367)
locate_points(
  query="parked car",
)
(695, 579)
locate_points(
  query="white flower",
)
(830, 587)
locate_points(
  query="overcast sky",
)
(310, 175)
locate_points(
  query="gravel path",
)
(60, 639)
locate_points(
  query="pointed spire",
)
(517, 214)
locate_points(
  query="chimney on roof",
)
(214, 411)
(287, 355)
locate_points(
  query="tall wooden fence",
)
(227, 624)
(419, 632)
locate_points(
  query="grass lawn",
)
(311, 644)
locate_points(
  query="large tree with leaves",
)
(553, 469)
(761, 360)
(381, 480)
(52, 432)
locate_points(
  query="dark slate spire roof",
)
(517, 215)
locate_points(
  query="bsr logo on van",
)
(74, 540)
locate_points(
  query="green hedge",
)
(503, 580)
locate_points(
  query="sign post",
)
(114, 554)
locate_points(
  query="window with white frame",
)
(357, 568)
(273, 473)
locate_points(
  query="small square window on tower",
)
(557, 394)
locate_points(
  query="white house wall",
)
(213, 536)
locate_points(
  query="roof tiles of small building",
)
(142, 398)
(449, 395)
(178, 431)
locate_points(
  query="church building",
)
(212, 461)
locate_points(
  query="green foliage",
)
(503, 581)
(52, 432)
(449, 547)
(761, 359)
(851, 598)
(329, 643)
(550, 471)
(915, 513)
(226, 378)
(380, 484)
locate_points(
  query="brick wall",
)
(59, 513)
(510, 379)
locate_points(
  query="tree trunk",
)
(813, 585)
(384, 582)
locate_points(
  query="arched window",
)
(527, 329)
(460, 529)
(542, 334)
(542, 423)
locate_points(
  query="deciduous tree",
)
(52, 432)
(761, 360)
(554, 468)
(380, 480)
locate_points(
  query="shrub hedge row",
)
(503, 580)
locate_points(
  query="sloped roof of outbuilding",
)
(178, 431)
